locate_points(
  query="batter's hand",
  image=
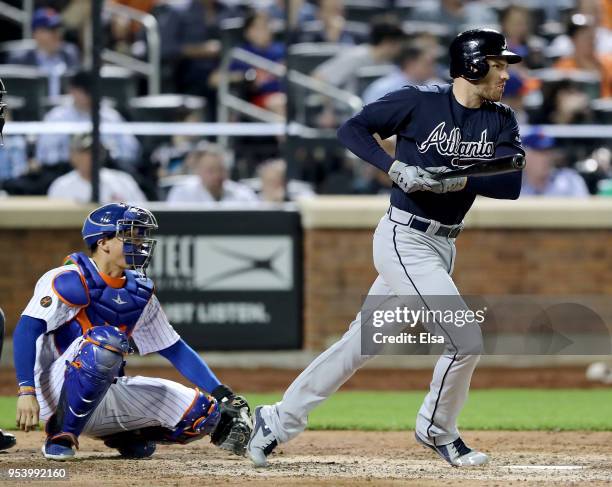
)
(446, 185)
(27, 412)
(412, 178)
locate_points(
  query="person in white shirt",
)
(384, 45)
(209, 182)
(541, 177)
(55, 148)
(115, 186)
(417, 65)
(273, 185)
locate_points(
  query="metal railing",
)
(150, 68)
(21, 16)
(229, 101)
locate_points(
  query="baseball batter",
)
(72, 340)
(414, 243)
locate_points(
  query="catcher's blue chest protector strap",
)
(106, 305)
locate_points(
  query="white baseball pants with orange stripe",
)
(130, 403)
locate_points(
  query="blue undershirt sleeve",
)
(190, 365)
(24, 348)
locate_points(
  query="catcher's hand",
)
(235, 426)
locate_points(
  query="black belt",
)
(423, 224)
(443, 231)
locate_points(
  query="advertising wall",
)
(231, 280)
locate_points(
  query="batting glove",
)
(446, 185)
(412, 178)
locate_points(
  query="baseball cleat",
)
(7, 440)
(134, 449)
(57, 451)
(262, 440)
(457, 453)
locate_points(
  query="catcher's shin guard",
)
(88, 378)
(198, 421)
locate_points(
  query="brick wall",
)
(338, 270)
(25, 255)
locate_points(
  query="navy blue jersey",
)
(432, 129)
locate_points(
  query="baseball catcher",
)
(72, 341)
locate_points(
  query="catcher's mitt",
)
(235, 426)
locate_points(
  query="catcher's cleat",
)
(140, 449)
(457, 453)
(7, 440)
(262, 441)
(59, 447)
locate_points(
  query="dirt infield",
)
(272, 380)
(339, 458)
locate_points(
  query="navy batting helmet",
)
(470, 49)
(131, 224)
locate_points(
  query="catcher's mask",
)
(132, 225)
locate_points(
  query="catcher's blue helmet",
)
(132, 224)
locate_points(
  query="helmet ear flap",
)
(476, 68)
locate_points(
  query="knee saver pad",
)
(102, 351)
(199, 420)
(88, 378)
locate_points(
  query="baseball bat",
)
(485, 167)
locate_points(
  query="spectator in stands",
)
(457, 15)
(76, 19)
(563, 103)
(210, 183)
(55, 148)
(273, 184)
(514, 93)
(301, 11)
(384, 45)
(601, 13)
(584, 57)
(13, 155)
(76, 185)
(52, 55)
(197, 46)
(541, 177)
(265, 89)
(329, 26)
(416, 66)
(516, 25)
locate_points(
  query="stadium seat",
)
(359, 30)
(587, 81)
(364, 10)
(306, 56)
(13, 47)
(602, 108)
(119, 84)
(368, 74)
(163, 108)
(29, 83)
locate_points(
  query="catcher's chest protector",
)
(108, 305)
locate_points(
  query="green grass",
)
(496, 409)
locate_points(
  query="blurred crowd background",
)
(174, 61)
